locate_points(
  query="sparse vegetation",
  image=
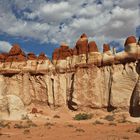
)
(26, 131)
(137, 130)
(113, 124)
(123, 120)
(109, 118)
(125, 137)
(56, 116)
(97, 122)
(82, 116)
(48, 125)
(4, 124)
(80, 130)
(28, 124)
(25, 117)
(70, 125)
(31, 124)
(19, 126)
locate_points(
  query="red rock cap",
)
(84, 35)
(55, 54)
(16, 54)
(75, 52)
(16, 50)
(106, 47)
(3, 57)
(64, 51)
(42, 56)
(64, 46)
(129, 40)
(93, 47)
(82, 44)
(31, 56)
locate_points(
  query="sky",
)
(42, 25)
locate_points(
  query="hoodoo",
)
(76, 78)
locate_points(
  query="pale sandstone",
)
(77, 81)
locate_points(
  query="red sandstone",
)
(129, 40)
(93, 47)
(42, 56)
(106, 47)
(31, 56)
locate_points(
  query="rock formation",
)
(77, 78)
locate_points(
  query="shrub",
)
(125, 137)
(31, 124)
(28, 124)
(137, 130)
(49, 124)
(26, 131)
(4, 124)
(114, 124)
(56, 116)
(19, 126)
(109, 118)
(34, 111)
(25, 117)
(97, 122)
(123, 120)
(70, 125)
(82, 116)
(80, 130)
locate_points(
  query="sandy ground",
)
(65, 128)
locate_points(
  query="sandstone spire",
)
(82, 44)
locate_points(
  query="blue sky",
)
(41, 25)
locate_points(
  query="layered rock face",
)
(76, 78)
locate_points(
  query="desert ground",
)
(60, 124)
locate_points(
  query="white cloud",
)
(5, 46)
(59, 21)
